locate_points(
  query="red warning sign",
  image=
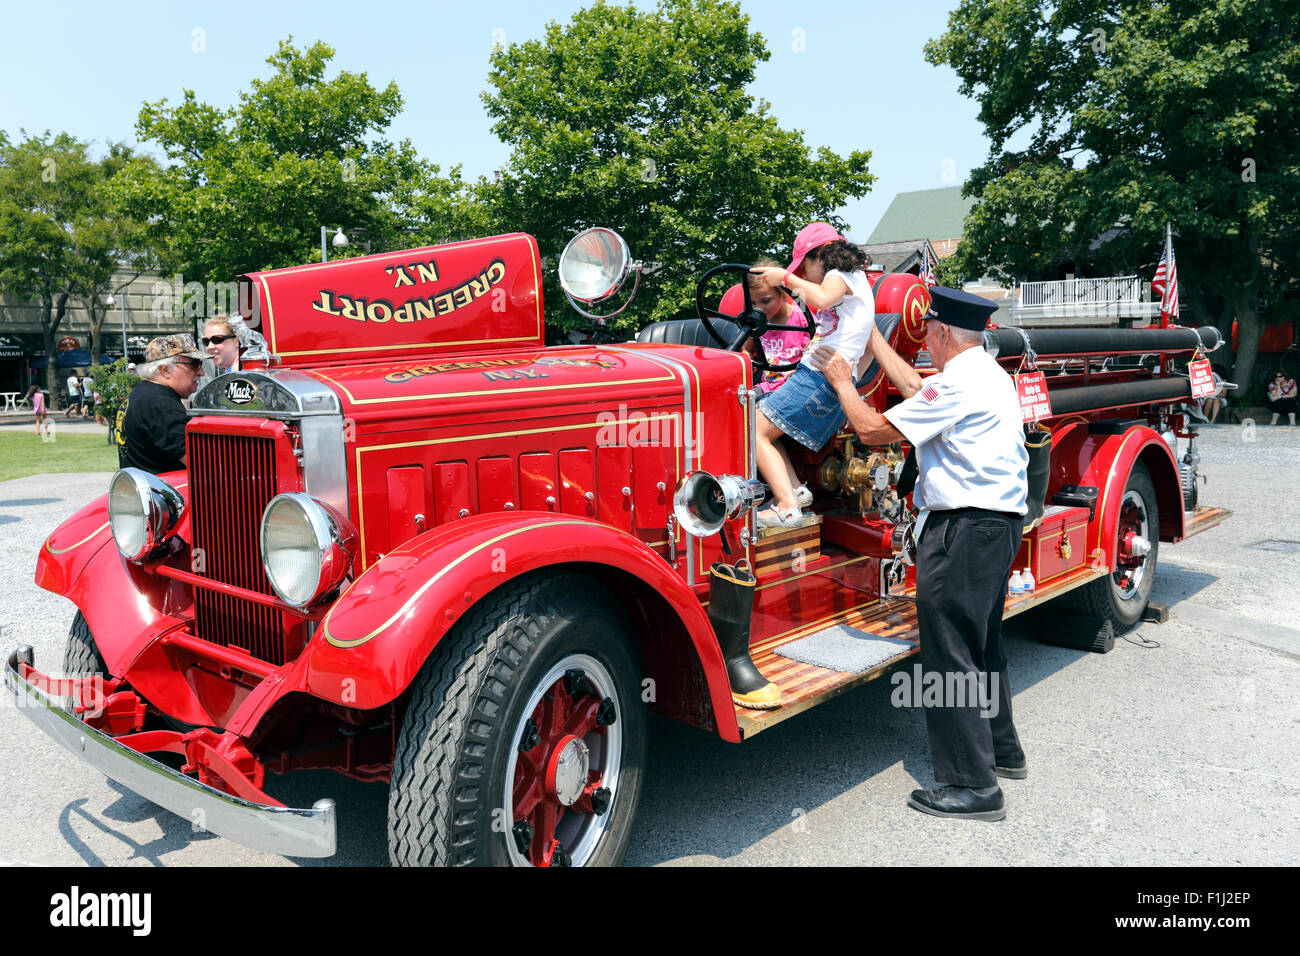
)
(1035, 404)
(1202, 377)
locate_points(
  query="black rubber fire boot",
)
(731, 602)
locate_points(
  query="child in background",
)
(828, 273)
(37, 398)
(781, 346)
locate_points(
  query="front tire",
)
(524, 723)
(81, 658)
(1122, 596)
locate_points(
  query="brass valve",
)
(856, 476)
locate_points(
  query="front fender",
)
(124, 605)
(1105, 461)
(378, 634)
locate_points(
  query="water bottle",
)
(1027, 581)
(1017, 586)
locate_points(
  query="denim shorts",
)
(805, 407)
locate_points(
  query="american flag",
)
(929, 393)
(927, 266)
(1165, 282)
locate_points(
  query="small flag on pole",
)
(1165, 283)
(927, 266)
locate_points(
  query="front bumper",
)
(282, 830)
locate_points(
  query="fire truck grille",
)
(232, 479)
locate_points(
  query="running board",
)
(1202, 519)
(804, 686)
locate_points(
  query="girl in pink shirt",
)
(37, 398)
(782, 347)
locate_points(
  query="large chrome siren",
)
(704, 503)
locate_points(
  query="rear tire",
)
(1122, 596)
(461, 765)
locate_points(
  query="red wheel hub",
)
(554, 777)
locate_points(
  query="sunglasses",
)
(215, 339)
(191, 365)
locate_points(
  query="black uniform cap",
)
(960, 309)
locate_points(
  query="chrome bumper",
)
(282, 830)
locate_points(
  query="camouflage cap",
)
(169, 346)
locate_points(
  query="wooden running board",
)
(804, 686)
(1202, 519)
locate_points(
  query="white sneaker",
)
(802, 496)
(775, 518)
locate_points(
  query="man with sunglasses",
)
(151, 423)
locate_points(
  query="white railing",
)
(1110, 298)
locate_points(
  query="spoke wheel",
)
(1122, 596)
(558, 789)
(524, 737)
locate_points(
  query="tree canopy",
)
(1127, 114)
(249, 187)
(62, 236)
(640, 121)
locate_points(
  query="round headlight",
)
(142, 510)
(594, 265)
(307, 547)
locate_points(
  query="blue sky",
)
(85, 68)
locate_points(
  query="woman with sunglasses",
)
(1282, 397)
(222, 344)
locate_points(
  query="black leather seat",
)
(888, 325)
(693, 332)
(685, 332)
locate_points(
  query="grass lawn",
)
(23, 453)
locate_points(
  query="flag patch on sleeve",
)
(929, 393)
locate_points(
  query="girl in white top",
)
(830, 278)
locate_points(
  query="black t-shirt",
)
(151, 429)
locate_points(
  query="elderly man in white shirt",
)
(966, 427)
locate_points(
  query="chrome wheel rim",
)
(1133, 517)
(541, 781)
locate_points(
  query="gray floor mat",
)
(843, 648)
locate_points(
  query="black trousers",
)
(962, 563)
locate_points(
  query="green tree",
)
(640, 121)
(113, 249)
(1110, 117)
(248, 188)
(61, 238)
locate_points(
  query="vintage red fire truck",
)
(414, 544)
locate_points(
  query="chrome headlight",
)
(307, 547)
(142, 511)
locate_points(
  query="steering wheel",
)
(752, 321)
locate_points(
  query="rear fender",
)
(1105, 461)
(377, 636)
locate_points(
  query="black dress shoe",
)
(1012, 769)
(960, 802)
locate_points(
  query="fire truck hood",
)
(412, 305)
(535, 380)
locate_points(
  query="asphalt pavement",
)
(1182, 753)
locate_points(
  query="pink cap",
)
(809, 238)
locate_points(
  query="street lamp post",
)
(339, 241)
(108, 300)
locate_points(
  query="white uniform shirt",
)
(968, 431)
(846, 326)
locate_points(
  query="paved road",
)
(1186, 753)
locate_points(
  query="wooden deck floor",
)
(805, 685)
